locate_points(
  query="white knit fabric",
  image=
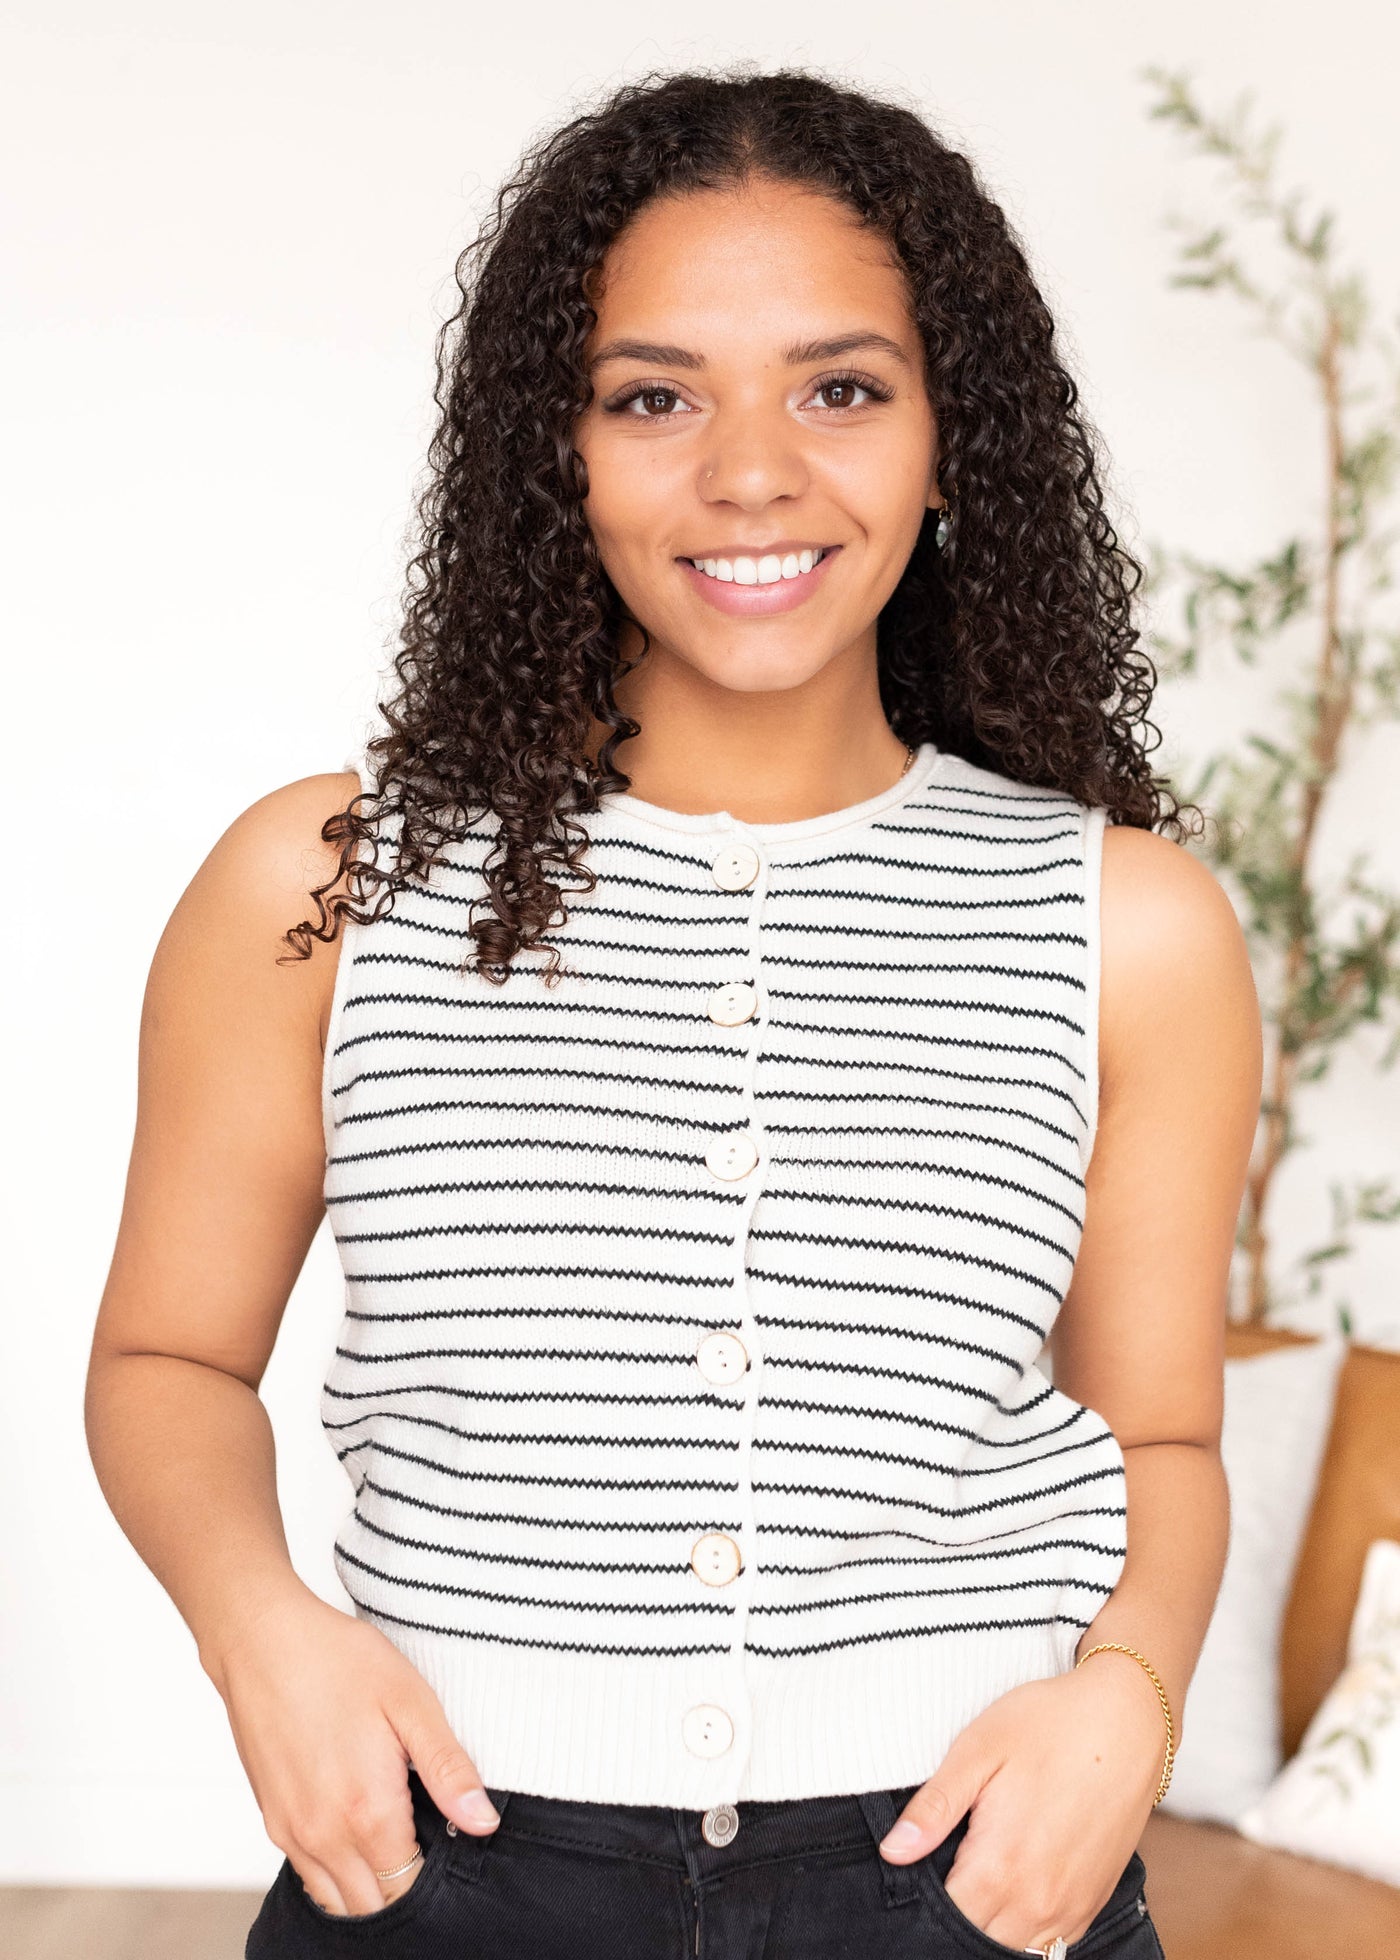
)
(586, 1360)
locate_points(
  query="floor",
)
(99, 1923)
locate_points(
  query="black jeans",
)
(559, 1880)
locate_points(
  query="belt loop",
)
(880, 1809)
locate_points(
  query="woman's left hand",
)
(1060, 1776)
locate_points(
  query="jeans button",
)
(720, 1824)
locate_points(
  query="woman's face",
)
(758, 393)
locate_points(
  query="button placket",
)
(722, 1356)
(735, 867)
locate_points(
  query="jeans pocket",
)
(1117, 1928)
(430, 1828)
(391, 1913)
(953, 1920)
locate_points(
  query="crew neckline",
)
(706, 822)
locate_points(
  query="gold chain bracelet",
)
(1117, 1647)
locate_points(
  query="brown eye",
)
(649, 393)
(849, 385)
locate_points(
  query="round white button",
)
(734, 1002)
(732, 1156)
(721, 1357)
(735, 867)
(715, 1559)
(706, 1730)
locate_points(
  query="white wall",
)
(230, 237)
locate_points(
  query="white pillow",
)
(1278, 1410)
(1339, 1797)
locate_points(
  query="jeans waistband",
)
(768, 1832)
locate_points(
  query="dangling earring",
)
(943, 526)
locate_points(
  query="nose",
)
(752, 459)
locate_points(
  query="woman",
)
(710, 1146)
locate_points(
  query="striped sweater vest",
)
(688, 1376)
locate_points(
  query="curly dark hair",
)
(1012, 645)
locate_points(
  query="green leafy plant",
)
(1316, 619)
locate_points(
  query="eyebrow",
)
(797, 354)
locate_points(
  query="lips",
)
(754, 600)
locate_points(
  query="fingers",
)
(347, 1884)
(394, 1888)
(970, 1761)
(317, 1882)
(996, 1890)
(337, 1857)
(924, 1822)
(448, 1773)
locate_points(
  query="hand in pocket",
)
(390, 1888)
(327, 1716)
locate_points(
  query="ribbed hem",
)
(597, 1728)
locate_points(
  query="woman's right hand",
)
(326, 1716)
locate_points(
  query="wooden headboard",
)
(1358, 1499)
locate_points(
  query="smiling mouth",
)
(770, 569)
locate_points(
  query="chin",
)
(748, 672)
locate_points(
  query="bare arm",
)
(1141, 1335)
(223, 1198)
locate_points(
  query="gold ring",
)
(399, 1870)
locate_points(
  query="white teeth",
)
(759, 571)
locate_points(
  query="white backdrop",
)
(230, 238)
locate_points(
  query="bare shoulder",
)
(224, 1189)
(1175, 962)
(1154, 891)
(273, 853)
(228, 927)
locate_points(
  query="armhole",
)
(350, 930)
(1094, 821)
